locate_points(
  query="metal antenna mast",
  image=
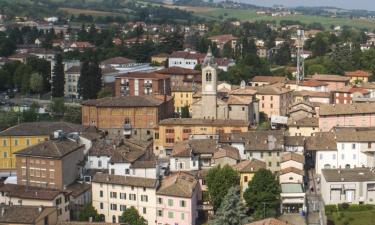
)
(300, 60)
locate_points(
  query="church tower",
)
(209, 87)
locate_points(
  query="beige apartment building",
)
(113, 194)
(274, 101)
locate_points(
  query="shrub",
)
(343, 206)
(330, 209)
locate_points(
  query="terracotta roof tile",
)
(127, 101)
(124, 180)
(178, 185)
(250, 166)
(292, 156)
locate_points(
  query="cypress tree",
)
(58, 78)
(83, 81)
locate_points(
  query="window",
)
(333, 156)
(156, 135)
(278, 164)
(369, 145)
(27, 142)
(320, 156)
(5, 154)
(269, 153)
(269, 164)
(182, 203)
(271, 106)
(114, 207)
(342, 146)
(342, 156)
(169, 140)
(4, 143)
(170, 202)
(144, 198)
(170, 215)
(113, 194)
(245, 178)
(353, 146)
(127, 171)
(122, 195)
(132, 197)
(182, 216)
(51, 163)
(122, 208)
(262, 97)
(160, 213)
(101, 205)
(160, 201)
(101, 194)
(99, 163)
(354, 156)
(169, 131)
(261, 155)
(144, 210)
(15, 142)
(271, 98)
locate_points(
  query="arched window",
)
(327, 166)
(208, 76)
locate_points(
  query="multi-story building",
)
(358, 76)
(118, 63)
(177, 200)
(71, 82)
(266, 146)
(20, 195)
(334, 81)
(174, 130)
(134, 116)
(142, 83)
(247, 169)
(347, 94)
(313, 85)
(221, 40)
(183, 97)
(346, 115)
(182, 76)
(303, 127)
(25, 135)
(50, 164)
(353, 186)
(113, 194)
(312, 96)
(274, 101)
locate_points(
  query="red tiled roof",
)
(223, 38)
(313, 83)
(357, 73)
(145, 75)
(178, 71)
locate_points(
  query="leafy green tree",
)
(263, 194)
(58, 78)
(316, 68)
(131, 216)
(105, 92)
(283, 55)
(7, 45)
(36, 83)
(227, 50)
(21, 77)
(232, 210)
(30, 115)
(58, 106)
(219, 180)
(43, 67)
(89, 211)
(73, 115)
(185, 112)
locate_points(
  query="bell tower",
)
(209, 87)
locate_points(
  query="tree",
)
(131, 216)
(263, 194)
(105, 92)
(232, 210)
(283, 57)
(219, 180)
(89, 211)
(84, 79)
(73, 115)
(58, 78)
(36, 83)
(58, 106)
(30, 115)
(90, 80)
(185, 112)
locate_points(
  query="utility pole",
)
(300, 60)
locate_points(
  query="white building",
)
(113, 194)
(356, 185)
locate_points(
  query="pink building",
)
(346, 115)
(177, 200)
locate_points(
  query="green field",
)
(354, 218)
(250, 15)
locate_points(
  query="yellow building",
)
(246, 170)
(183, 96)
(24, 135)
(174, 130)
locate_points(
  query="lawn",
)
(74, 11)
(353, 218)
(250, 15)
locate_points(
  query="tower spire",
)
(209, 59)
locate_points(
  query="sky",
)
(345, 4)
